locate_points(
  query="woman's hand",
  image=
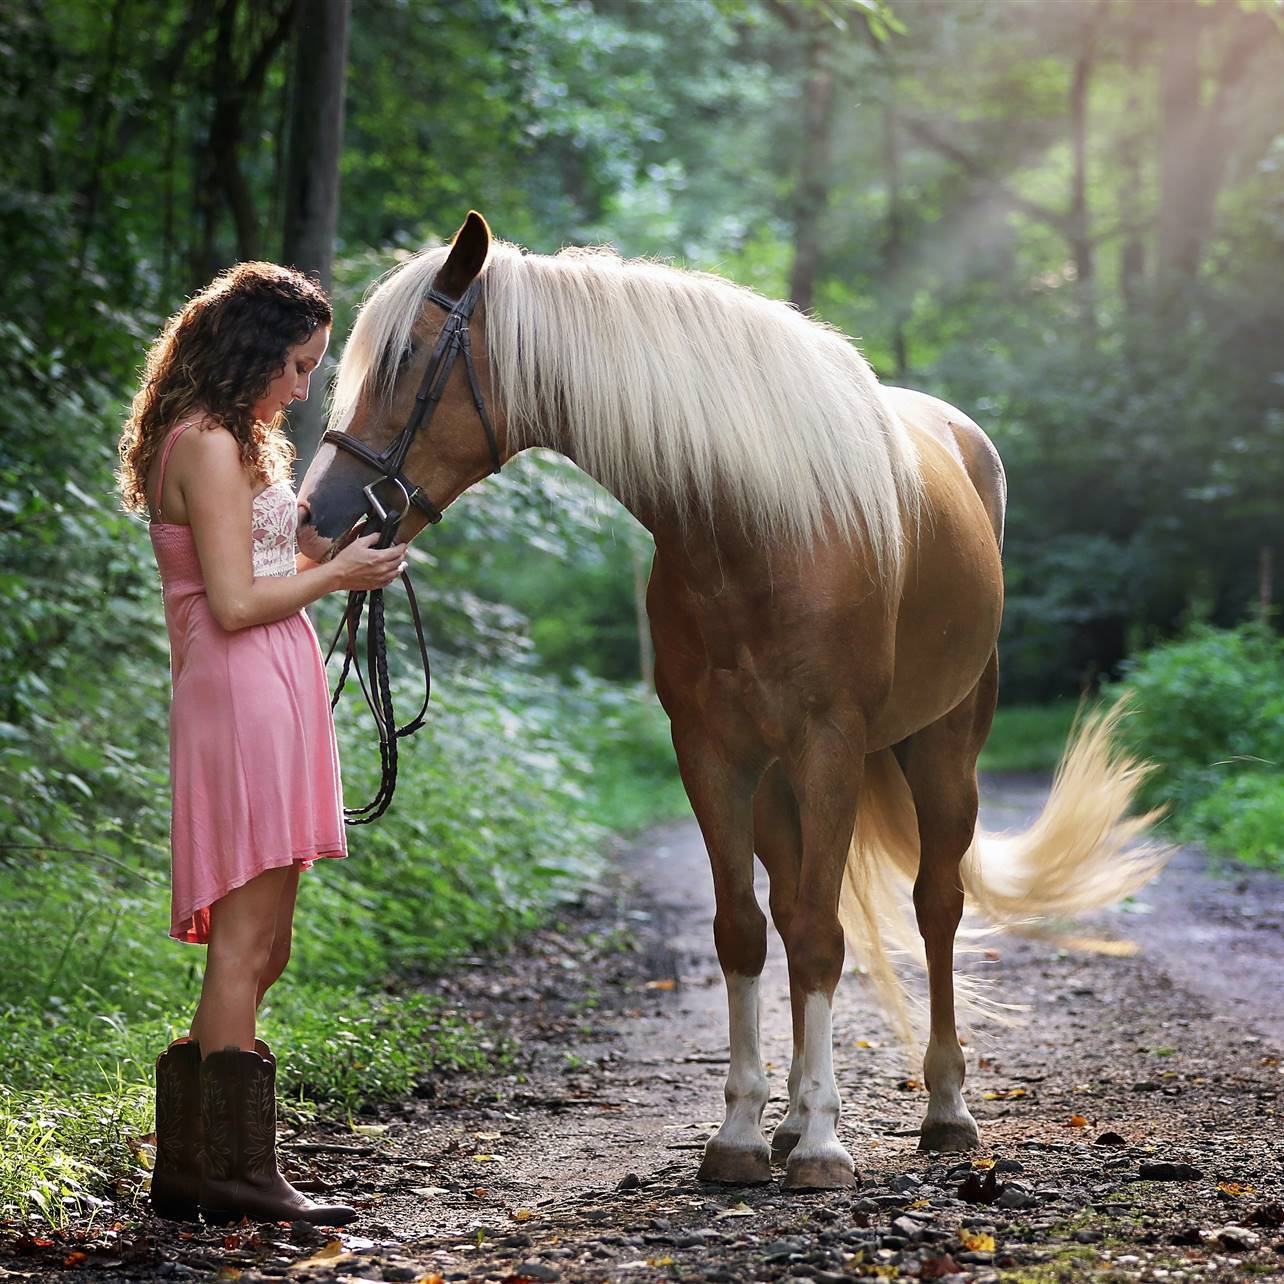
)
(362, 566)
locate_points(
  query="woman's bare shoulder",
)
(210, 453)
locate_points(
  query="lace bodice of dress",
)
(274, 520)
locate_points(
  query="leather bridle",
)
(452, 342)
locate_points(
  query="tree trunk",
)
(1132, 252)
(894, 244)
(1080, 236)
(813, 181)
(312, 169)
(1182, 205)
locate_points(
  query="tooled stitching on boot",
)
(220, 1128)
(260, 1130)
(169, 1115)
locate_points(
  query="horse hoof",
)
(820, 1172)
(949, 1135)
(782, 1144)
(735, 1165)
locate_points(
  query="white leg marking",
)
(818, 1100)
(746, 1091)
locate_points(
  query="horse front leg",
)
(826, 783)
(721, 799)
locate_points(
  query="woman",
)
(254, 765)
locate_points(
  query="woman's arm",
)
(218, 494)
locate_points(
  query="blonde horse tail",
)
(1082, 852)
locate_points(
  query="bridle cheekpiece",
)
(452, 343)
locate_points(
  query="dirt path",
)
(579, 1163)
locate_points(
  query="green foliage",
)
(1243, 817)
(1207, 707)
(1028, 737)
(1208, 711)
(57, 1149)
(353, 1054)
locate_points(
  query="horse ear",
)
(467, 256)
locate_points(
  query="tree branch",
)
(926, 133)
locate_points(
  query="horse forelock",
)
(673, 386)
(382, 333)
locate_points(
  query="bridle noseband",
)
(375, 684)
(452, 342)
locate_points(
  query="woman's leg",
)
(284, 934)
(242, 932)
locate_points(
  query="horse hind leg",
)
(939, 763)
(826, 783)
(737, 1153)
(777, 836)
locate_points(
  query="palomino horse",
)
(825, 601)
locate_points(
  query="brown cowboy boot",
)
(180, 1134)
(176, 1175)
(240, 1175)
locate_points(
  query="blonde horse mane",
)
(670, 385)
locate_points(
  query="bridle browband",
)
(452, 342)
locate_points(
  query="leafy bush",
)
(1208, 711)
(1207, 707)
(1244, 818)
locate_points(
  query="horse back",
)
(964, 440)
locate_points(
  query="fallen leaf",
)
(488, 1136)
(909, 1085)
(1235, 1189)
(520, 1214)
(668, 983)
(1005, 1094)
(666, 1260)
(370, 1130)
(326, 1256)
(75, 1258)
(232, 1241)
(976, 1241)
(487, 1159)
(736, 1210)
(982, 1165)
(1078, 1121)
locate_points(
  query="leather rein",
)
(452, 343)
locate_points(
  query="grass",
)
(1028, 737)
(501, 814)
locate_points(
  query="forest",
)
(1066, 218)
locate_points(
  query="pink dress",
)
(254, 766)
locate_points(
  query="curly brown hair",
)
(217, 355)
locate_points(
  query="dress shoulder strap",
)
(160, 476)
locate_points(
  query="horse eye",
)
(405, 356)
